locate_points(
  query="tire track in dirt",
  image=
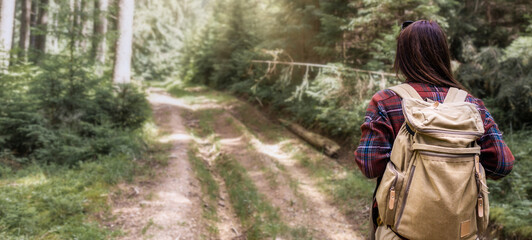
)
(169, 206)
(301, 204)
(279, 143)
(228, 225)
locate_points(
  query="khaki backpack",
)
(434, 186)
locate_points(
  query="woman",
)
(423, 59)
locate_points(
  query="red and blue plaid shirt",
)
(384, 118)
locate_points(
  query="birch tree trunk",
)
(100, 31)
(24, 38)
(122, 65)
(7, 17)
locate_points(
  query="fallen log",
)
(328, 146)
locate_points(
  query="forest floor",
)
(233, 173)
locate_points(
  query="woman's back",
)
(384, 118)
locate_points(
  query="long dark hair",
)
(423, 55)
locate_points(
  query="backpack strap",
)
(455, 95)
(406, 91)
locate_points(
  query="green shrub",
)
(125, 106)
(511, 197)
(62, 113)
(503, 79)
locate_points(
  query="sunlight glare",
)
(163, 99)
(32, 180)
(176, 137)
(274, 151)
(231, 141)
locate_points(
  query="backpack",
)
(434, 186)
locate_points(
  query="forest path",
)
(165, 207)
(208, 129)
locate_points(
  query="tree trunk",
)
(54, 39)
(100, 30)
(7, 17)
(33, 23)
(42, 28)
(122, 65)
(82, 26)
(25, 20)
(328, 146)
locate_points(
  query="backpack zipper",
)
(448, 155)
(406, 196)
(450, 132)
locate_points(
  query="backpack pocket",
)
(388, 193)
(440, 197)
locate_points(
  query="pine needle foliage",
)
(59, 116)
(503, 79)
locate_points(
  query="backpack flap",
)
(457, 123)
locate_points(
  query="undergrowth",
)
(56, 201)
(511, 197)
(67, 136)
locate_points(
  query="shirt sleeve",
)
(495, 156)
(376, 141)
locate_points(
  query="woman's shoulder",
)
(483, 110)
(383, 95)
(470, 98)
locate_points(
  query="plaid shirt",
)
(384, 117)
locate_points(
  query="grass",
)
(294, 185)
(196, 93)
(203, 174)
(147, 227)
(209, 188)
(205, 120)
(59, 202)
(55, 202)
(271, 132)
(271, 175)
(258, 216)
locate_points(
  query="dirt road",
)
(209, 126)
